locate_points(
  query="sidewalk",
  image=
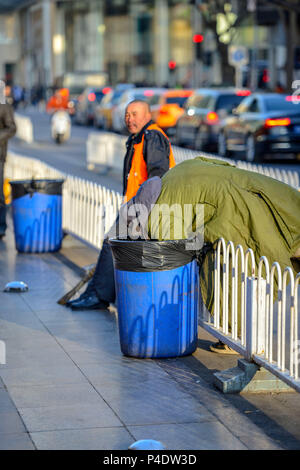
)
(66, 385)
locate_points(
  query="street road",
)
(70, 157)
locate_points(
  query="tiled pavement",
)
(66, 385)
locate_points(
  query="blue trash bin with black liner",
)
(37, 215)
(157, 295)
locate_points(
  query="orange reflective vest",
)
(138, 173)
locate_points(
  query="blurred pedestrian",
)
(149, 153)
(17, 93)
(7, 130)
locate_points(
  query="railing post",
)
(255, 317)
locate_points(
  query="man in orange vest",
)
(149, 153)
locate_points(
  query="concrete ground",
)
(66, 384)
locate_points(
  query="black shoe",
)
(2, 234)
(81, 297)
(89, 303)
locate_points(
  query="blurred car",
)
(170, 109)
(77, 82)
(263, 124)
(103, 111)
(204, 111)
(87, 101)
(150, 95)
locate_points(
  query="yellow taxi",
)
(171, 108)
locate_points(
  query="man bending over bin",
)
(149, 153)
(247, 208)
(250, 209)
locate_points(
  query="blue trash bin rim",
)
(48, 186)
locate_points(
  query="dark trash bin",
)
(157, 294)
(37, 215)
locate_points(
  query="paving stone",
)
(66, 315)
(12, 302)
(20, 441)
(121, 369)
(32, 342)
(116, 438)
(102, 341)
(54, 395)
(190, 436)
(162, 389)
(42, 375)
(17, 357)
(15, 330)
(96, 355)
(24, 316)
(6, 403)
(50, 418)
(151, 410)
(81, 329)
(10, 422)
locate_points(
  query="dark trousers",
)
(103, 281)
(2, 201)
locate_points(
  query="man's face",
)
(136, 116)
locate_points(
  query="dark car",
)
(263, 124)
(87, 101)
(204, 112)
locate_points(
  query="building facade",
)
(135, 41)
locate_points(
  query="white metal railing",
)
(24, 128)
(105, 148)
(89, 209)
(108, 149)
(251, 316)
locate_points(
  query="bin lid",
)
(21, 188)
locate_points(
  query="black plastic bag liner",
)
(150, 255)
(44, 186)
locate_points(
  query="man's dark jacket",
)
(7, 128)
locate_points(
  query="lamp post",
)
(198, 26)
(251, 7)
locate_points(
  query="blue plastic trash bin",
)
(158, 309)
(37, 215)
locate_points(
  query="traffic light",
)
(197, 40)
(172, 65)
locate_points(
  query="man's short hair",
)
(142, 102)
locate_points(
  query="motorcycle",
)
(60, 126)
